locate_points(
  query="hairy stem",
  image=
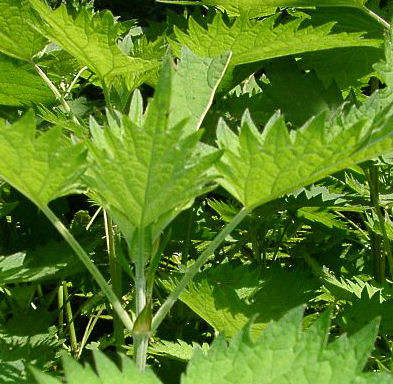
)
(56, 92)
(141, 336)
(85, 259)
(376, 17)
(194, 269)
(115, 273)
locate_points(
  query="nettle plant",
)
(253, 101)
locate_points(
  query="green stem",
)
(141, 337)
(85, 259)
(56, 92)
(70, 321)
(187, 241)
(374, 196)
(115, 273)
(89, 328)
(194, 269)
(78, 75)
(376, 17)
(60, 301)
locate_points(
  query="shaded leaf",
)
(22, 86)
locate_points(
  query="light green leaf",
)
(91, 38)
(108, 372)
(42, 167)
(195, 84)
(255, 8)
(285, 354)
(144, 172)
(22, 86)
(252, 41)
(17, 37)
(385, 68)
(259, 167)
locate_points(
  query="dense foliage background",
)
(313, 185)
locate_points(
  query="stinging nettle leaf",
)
(259, 167)
(155, 169)
(258, 8)
(252, 41)
(17, 38)
(91, 39)
(22, 87)
(285, 354)
(107, 372)
(229, 296)
(42, 167)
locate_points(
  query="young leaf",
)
(91, 38)
(144, 175)
(17, 38)
(42, 167)
(285, 354)
(259, 167)
(22, 86)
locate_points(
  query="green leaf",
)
(299, 96)
(194, 85)
(39, 264)
(348, 67)
(179, 350)
(21, 345)
(107, 372)
(91, 39)
(286, 354)
(229, 296)
(251, 41)
(259, 167)
(385, 68)
(22, 86)
(17, 38)
(369, 305)
(283, 354)
(42, 167)
(255, 8)
(155, 169)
